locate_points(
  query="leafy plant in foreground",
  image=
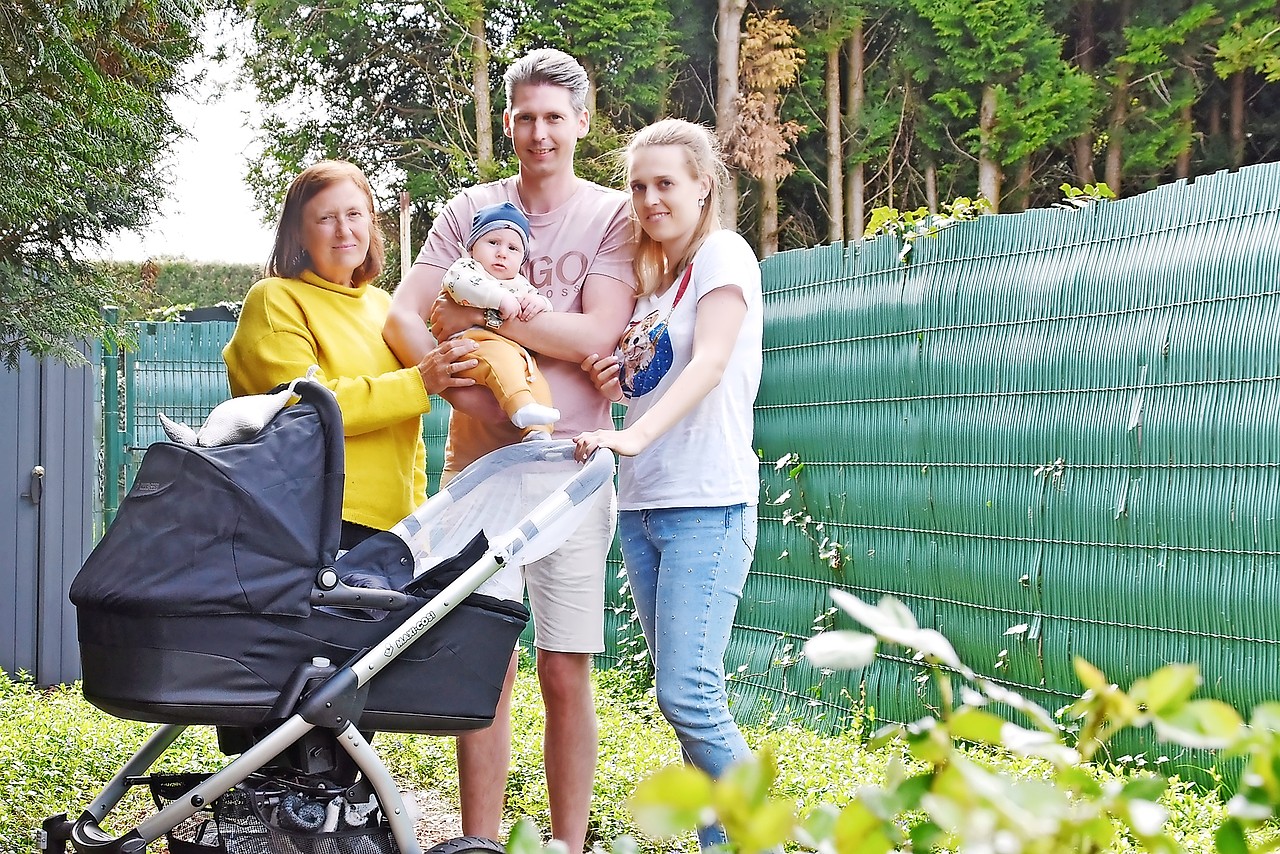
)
(949, 800)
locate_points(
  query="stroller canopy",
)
(223, 530)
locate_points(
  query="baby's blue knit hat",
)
(493, 217)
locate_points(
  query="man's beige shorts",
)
(566, 588)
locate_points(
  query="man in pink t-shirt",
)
(586, 235)
(580, 259)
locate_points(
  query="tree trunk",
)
(855, 182)
(931, 186)
(855, 187)
(1083, 151)
(835, 150)
(1237, 119)
(888, 178)
(480, 88)
(1182, 166)
(729, 39)
(1114, 167)
(1115, 132)
(768, 216)
(988, 168)
(769, 183)
(1022, 185)
(1083, 145)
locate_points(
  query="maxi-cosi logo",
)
(415, 629)
(146, 487)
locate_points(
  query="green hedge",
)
(160, 283)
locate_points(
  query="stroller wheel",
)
(467, 845)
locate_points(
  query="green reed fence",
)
(1051, 434)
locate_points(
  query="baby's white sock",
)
(534, 413)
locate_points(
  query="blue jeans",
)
(687, 567)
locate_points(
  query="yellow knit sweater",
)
(288, 325)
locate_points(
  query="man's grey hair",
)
(548, 66)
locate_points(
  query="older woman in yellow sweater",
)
(318, 306)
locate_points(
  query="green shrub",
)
(163, 283)
(57, 752)
(971, 779)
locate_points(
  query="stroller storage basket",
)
(245, 821)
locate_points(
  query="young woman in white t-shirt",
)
(688, 368)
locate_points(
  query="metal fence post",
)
(112, 435)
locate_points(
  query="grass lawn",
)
(56, 752)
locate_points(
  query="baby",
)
(490, 279)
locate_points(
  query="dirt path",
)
(438, 818)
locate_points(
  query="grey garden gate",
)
(48, 469)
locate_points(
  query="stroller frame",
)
(335, 701)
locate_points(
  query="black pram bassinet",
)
(217, 597)
(196, 606)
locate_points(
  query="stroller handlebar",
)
(355, 591)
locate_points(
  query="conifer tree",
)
(83, 129)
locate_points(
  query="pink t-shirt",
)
(588, 234)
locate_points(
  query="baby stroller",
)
(217, 597)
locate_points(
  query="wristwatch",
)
(492, 318)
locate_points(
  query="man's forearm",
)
(567, 336)
(407, 335)
(406, 330)
(572, 337)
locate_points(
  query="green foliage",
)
(82, 129)
(395, 82)
(973, 779)
(1077, 197)
(1009, 45)
(47, 303)
(634, 742)
(1251, 42)
(691, 92)
(909, 226)
(1148, 66)
(627, 43)
(159, 289)
(56, 753)
(598, 154)
(389, 86)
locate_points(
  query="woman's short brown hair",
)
(288, 257)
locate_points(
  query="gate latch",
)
(37, 485)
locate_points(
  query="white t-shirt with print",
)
(705, 459)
